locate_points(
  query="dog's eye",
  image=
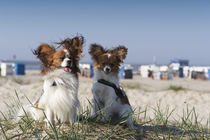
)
(70, 57)
(103, 64)
(61, 58)
(112, 65)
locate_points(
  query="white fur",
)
(105, 100)
(65, 62)
(109, 55)
(60, 102)
(66, 59)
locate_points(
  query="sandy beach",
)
(142, 93)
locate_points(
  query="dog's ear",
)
(74, 45)
(120, 52)
(44, 52)
(77, 44)
(95, 51)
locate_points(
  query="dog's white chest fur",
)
(106, 101)
(102, 92)
(59, 100)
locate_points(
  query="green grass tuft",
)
(158, 127)
(132, 85)
(176, 88)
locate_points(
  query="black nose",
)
(69, 63)
(107, 69)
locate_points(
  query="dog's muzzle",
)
(68, 68)
(107, 69)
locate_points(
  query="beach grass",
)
(157, 127)
(176, 88)
(131, 85)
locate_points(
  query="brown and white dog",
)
(110, 102)
(59, 99)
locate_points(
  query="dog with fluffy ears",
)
(105, 100)
(59, 100)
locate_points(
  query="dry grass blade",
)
(158, 127)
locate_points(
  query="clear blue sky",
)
(166, 29)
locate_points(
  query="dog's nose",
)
(107, 69)
(69, 63)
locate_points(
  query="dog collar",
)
(119, 91)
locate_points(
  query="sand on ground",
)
(144, 94)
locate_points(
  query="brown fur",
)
(96, 51)
(44, 52)
(52, 59)
(74, 45)
(100, 56)
(120, 52)
(57, 59)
